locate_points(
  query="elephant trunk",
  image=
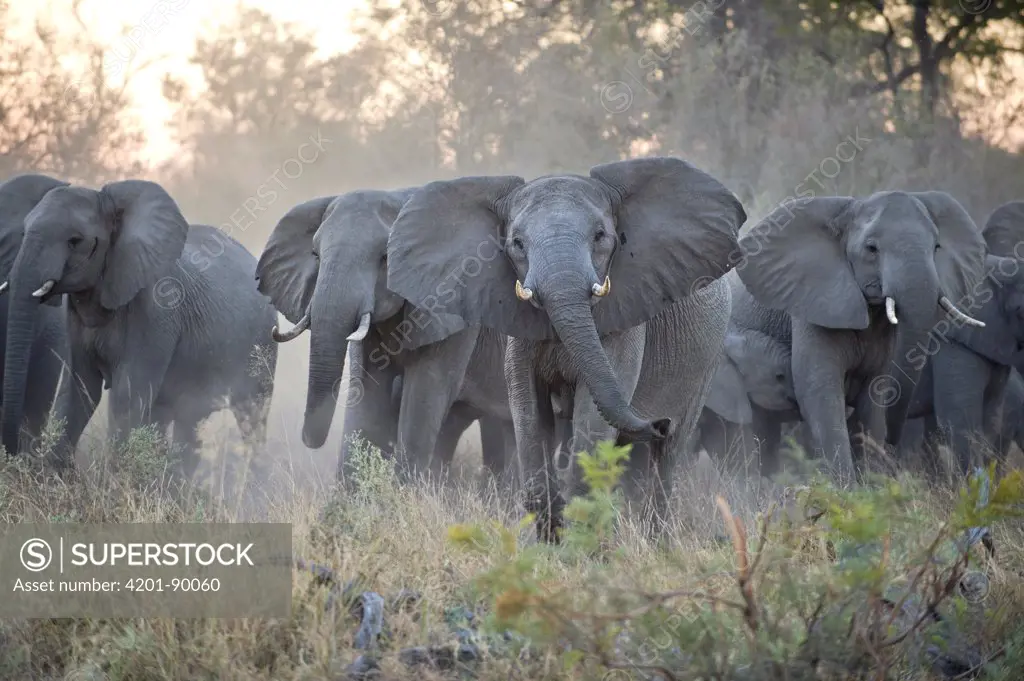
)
(566, 298)
(27, 276)
(334, 315)
(915, 288)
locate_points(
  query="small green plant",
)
(373, 475)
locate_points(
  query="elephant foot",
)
(548, 509)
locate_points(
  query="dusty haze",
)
(263, 114)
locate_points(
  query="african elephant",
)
(617, 303)
(968, 367)
(325, 269)
(753, 383)
(848, 282)
(497, 441)
(49, 352)
(160, 313)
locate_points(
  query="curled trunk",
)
(568, 307)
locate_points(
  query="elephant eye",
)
(600, 235)
(517, 243)
(936, 247)
(74, 241)
(872, 248)
(780, 377)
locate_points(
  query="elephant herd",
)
(558, 312)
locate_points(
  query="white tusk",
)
(523, 293)
(601, 290)
(4, 286)
(294, 333)
(44, 289)
(949, 307)
(890, 310)
(364, 326)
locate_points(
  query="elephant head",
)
(101, 247)
(842, 263)
(18, 196)
(325, 269)
(755, 369)
(1001, 297)
(568, 257)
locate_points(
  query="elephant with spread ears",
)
(161, 313)
(325, 269)
(852, 284)
(49, 353)
(607, 286)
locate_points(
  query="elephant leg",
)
(961, 377)
(250, 400)
(590, 428)
(80, 392)
(430, 386)
(493, 444)
(459, 418)
(767, 429)
(45, 368)
(135, 385)
(533, 420)
(818, 380)
(185, 439)
(866, 425)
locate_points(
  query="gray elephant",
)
(848, 282)
(616, 302)
(161, 314)
(967, 368)
(49, 353)
(325, 269)
(753, 383)
(497, 443)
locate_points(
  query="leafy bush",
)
(844, 583)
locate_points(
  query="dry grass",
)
(393, 537)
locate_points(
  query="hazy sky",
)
(167, 29)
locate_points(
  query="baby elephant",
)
(753, 382)
(164, 315)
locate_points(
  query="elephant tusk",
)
(294, 333)
(601, 290)
(949, 307)
(4, 286)
(44, 289)
(890, 310)
(523, 293)
(364, 326)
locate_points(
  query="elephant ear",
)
(727, 396)
(678, 230)
(1004, 230)
(446, 256)
(793, 260)
(996, 341)
(287, 269)
(960, 260)
(148, 236)
(420, 326)
(18, 196)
